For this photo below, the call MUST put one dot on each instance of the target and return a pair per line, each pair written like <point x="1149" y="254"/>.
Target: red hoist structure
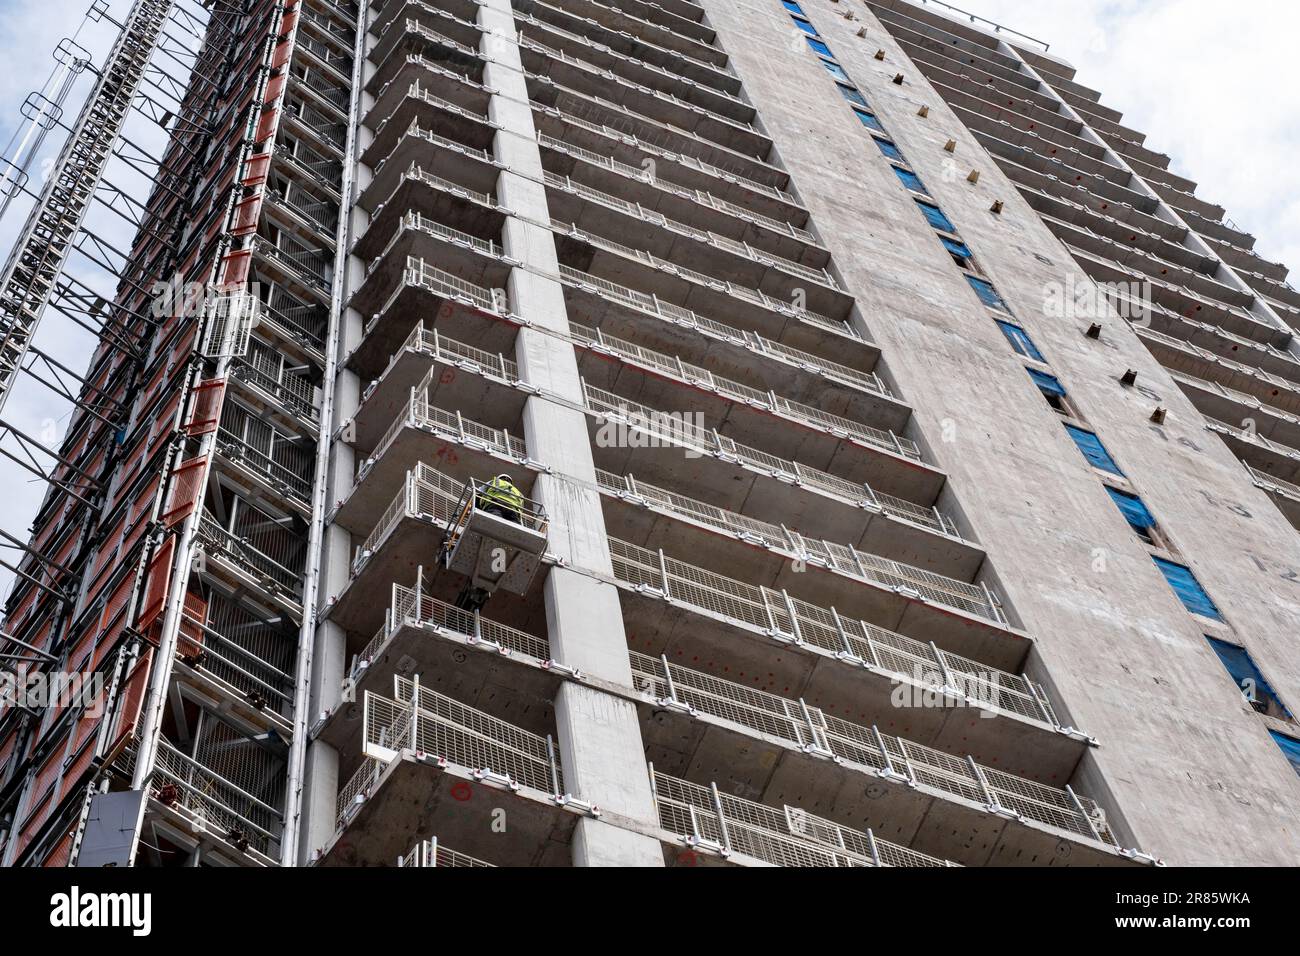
<point x="167" y="558"/>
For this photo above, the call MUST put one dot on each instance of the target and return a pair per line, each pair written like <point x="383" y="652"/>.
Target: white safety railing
<point x="735" y="247"/>
<point x="711" y="821"/>
<point x="419" y="175"/>
<point x="754" y="530"/>
<point x="1268" y="482"/>
<point x="414" y="221"/>
<point x="434" y="495"/>
<point x="674" y="367"/>
<point x="655" y="149"/>
<point x="777" y="614"/>
<point x="694" y="195"/>
<point x="651" y="304"/>
<point x="867" y="747"/>
<point x="361" y="785"/>
<point x="696" y="61"/>
<point x="432" y="853"/>
<point x="440" y="282"/>
<point x="604" y="78"/>
<point x="430" y="342"/>
<point x="677" y="431"/>
<point x="799" y="724"/>
<point x="416" y="131"/>
<point x="750" y="295"/>
<point x="425" y="722"/>
<point x="411" y="607"/>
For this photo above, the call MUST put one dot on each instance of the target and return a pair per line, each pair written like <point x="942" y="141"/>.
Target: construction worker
<point x="500" y="497"/>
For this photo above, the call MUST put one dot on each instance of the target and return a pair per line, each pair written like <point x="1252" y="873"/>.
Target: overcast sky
<point x="1212" y="84"/>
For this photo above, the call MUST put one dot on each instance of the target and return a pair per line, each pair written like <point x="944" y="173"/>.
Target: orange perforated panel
<point x="208" y="398"/>
<point x="131" y="703"/>
<point x="255" y="174"/>
<point x="267" y="124"/>
<point x="246" y="214"/>
<point x="236" y="267"/>
<point x="61" y="855"/>
<point x="156" y="583"/>
<point x="187" y="487"/>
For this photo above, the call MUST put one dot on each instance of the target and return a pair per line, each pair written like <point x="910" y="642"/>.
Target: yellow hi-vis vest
<point x="502" y="491"/>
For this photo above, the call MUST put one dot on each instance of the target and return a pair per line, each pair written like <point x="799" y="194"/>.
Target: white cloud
<point x="1212" y="85"/>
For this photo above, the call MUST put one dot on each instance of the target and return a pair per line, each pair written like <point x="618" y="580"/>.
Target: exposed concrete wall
<point x="1187" y="763"/>
<point x="599" y="734"/>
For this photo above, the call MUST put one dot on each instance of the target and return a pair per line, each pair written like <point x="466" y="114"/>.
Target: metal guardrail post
<point x="663" y="571"/>
<point x="1087" y="818"/>
<point x="415" y="712"/>
<point x="794" y="618"/>
<point x="989" y="795"/>
<point x="884" y="752"/>
<point x="816" y="735"/>
<point x="1042" y="703"/>
<point x="994" y="608"/>
<point x="875" y="850"/>
<point x="668" y="680"/>
<point x="907" y="761"/>
<point x="554" y="766"/>
<point x="844" y="637"/>
<point x="767" y="609"/>
<point x="944" y="672"/>
<point x="722" y="819"/>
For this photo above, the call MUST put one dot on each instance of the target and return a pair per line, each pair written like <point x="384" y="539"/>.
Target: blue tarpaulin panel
<point x="1188" y="589"/>
<point x="889" y="149"/>
<point x="910" y="180"/>
<point x="1290" y="748"/>
<point x="1241" y="666"/>
<point x="955" y="247"/>
<point x="1135" y="512"/>
<point x="1093" y="450"/>
<point x="868" y="120"/>
<point x="988" y="295"/>
<point x="1020" y="341"/>
<point x="934" y="215"/>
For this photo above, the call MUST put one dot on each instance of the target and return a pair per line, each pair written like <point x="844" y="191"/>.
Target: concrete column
<point x="599" y="735"/>
<point x="329" y="656"/>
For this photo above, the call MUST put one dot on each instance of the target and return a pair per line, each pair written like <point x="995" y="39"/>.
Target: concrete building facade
<point x="848" y="537"/>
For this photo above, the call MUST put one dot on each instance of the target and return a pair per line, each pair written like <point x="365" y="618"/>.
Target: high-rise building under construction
<point x="615" y="432"/>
